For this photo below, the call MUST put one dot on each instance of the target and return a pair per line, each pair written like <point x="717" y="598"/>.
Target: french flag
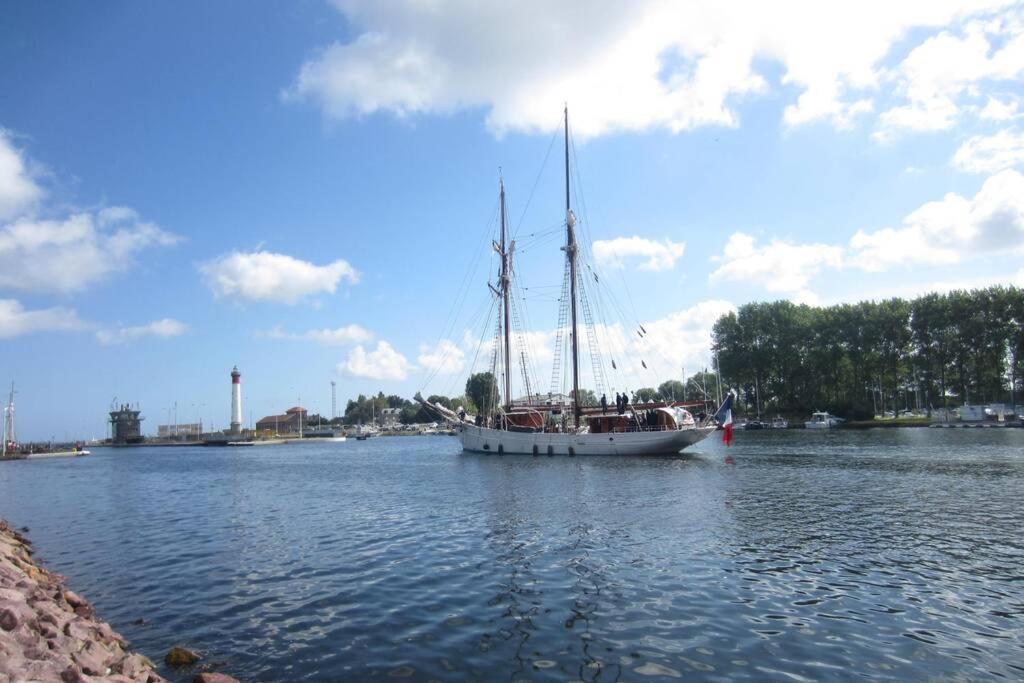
<point x="724" y="419"/>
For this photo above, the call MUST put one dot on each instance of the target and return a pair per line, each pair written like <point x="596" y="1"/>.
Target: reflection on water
<point x="894" y="554"/>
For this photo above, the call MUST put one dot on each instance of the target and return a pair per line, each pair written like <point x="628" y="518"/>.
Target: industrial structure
<point x="126" y="425"/>
<point x="334" y="401"/>
<point x="291" y="422"/>
<point x="10" y="439"/>
<point x="189" y="430"/>
<point x="236" y="402"/>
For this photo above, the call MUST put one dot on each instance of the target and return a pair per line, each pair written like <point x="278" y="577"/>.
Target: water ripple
<point x="890" y="554"/>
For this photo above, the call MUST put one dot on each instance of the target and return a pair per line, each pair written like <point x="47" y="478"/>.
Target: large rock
<point x="208" y="677"/>
<point x="181" y="656"/>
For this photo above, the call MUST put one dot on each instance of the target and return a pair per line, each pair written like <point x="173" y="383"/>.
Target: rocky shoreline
<point x="48" y="633"/>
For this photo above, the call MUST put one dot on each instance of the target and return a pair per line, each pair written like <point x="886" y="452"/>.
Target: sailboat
<point x="756" y="424"/>
<point x="562" y="425"/>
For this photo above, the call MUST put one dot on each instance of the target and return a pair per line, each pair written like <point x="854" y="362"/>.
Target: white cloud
<point x="163" y="329"/>
<point x="621" y="66"/>
<point x="945" y="231"/>
<point x="990" y="153"/>
<point x="266" y="276"/>
<point x="16" y="321"/>
<point x="382" y="363"/>
<point x="69" y="254"/>
<point x="18" y="191"/>
<point x="680" y="340"/>
<point x="339" y="336"/>
<point x="446" y="358"/>
<point x="778" y="266"/>
<point x="654" y="255"/>
<point x="936" y="74"/>
<point x="997" y="110"/>
<point x="66" y="253"/>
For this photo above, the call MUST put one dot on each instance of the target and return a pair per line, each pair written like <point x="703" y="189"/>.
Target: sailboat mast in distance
<point x="570" y="251"/>
<point x="505" y="280"/>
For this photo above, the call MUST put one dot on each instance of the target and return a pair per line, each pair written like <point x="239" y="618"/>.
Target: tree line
<point x="859" y="360"/>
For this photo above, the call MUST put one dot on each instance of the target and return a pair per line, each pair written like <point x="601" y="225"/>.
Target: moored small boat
<point x="823" y="420"/>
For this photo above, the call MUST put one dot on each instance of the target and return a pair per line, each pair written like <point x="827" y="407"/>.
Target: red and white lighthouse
<point x="236" y="401"/>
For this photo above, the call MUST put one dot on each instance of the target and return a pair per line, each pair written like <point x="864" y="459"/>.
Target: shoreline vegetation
<point x="49" y="633"/>
<point x="875" y="357"/>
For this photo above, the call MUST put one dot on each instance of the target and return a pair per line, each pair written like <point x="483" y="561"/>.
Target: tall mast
<point x="505" y="281"/>
<point x="570" y="252"/>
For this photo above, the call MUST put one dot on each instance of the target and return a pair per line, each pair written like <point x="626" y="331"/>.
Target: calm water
<point x="890" y="554"/>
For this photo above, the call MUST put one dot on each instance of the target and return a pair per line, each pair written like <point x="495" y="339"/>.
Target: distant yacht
<point x="779" y="422"/>
<point x="822" y="420"/>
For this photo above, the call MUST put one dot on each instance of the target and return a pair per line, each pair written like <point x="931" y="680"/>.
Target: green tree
<point x="646" y="395"/>
<point x="465" y="403"/>
<point x="440" y="400"/>
<point x="875" y="356"/>
<point x="672" y="390"/>
<point x="482" y="390"/>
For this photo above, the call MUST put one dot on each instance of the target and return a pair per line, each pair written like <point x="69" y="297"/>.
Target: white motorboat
<point x="822" y="420"/>
<point x="779" y="422"/>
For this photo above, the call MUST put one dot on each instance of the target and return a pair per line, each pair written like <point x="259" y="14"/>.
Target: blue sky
<point x="299" y="188"/>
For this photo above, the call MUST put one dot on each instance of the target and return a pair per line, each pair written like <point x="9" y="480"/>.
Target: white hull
<point x="818" y="425"/>
<point x="668" y="442"/>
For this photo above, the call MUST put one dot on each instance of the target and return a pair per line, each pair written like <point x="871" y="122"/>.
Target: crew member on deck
<point x="604" y="404"/>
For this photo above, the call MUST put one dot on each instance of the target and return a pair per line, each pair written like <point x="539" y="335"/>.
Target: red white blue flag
<point x="724" y="419"/>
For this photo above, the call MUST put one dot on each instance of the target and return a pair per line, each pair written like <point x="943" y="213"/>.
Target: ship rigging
<point x="573" y="424"/>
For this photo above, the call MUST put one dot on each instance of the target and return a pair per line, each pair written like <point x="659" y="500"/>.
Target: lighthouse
<point x="236" y="401"/>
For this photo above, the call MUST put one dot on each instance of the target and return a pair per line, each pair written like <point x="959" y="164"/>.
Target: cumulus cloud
<point x="15" y="320"/>
<point x="778" y="266"/>
<point x="382" y="363"/>
<point x="998" y="110"/>
<point x="446" y="358"/>
<point x="621" y="66"/>
<point x="942" y="232"/>
<point x="938" y="73"/>
<point x="266" y="276"/>
<point x="62" y="253"/>
<point x="680" y="340"/>
<point x="653" y="255"/>
<point x="162" y="329"/>
<point x="18" y="191"/>
<point x="66" y="255"/>
<point x="338" y="336"/>
<point x="677" y="341"/>
<point x="990" y="153"/>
